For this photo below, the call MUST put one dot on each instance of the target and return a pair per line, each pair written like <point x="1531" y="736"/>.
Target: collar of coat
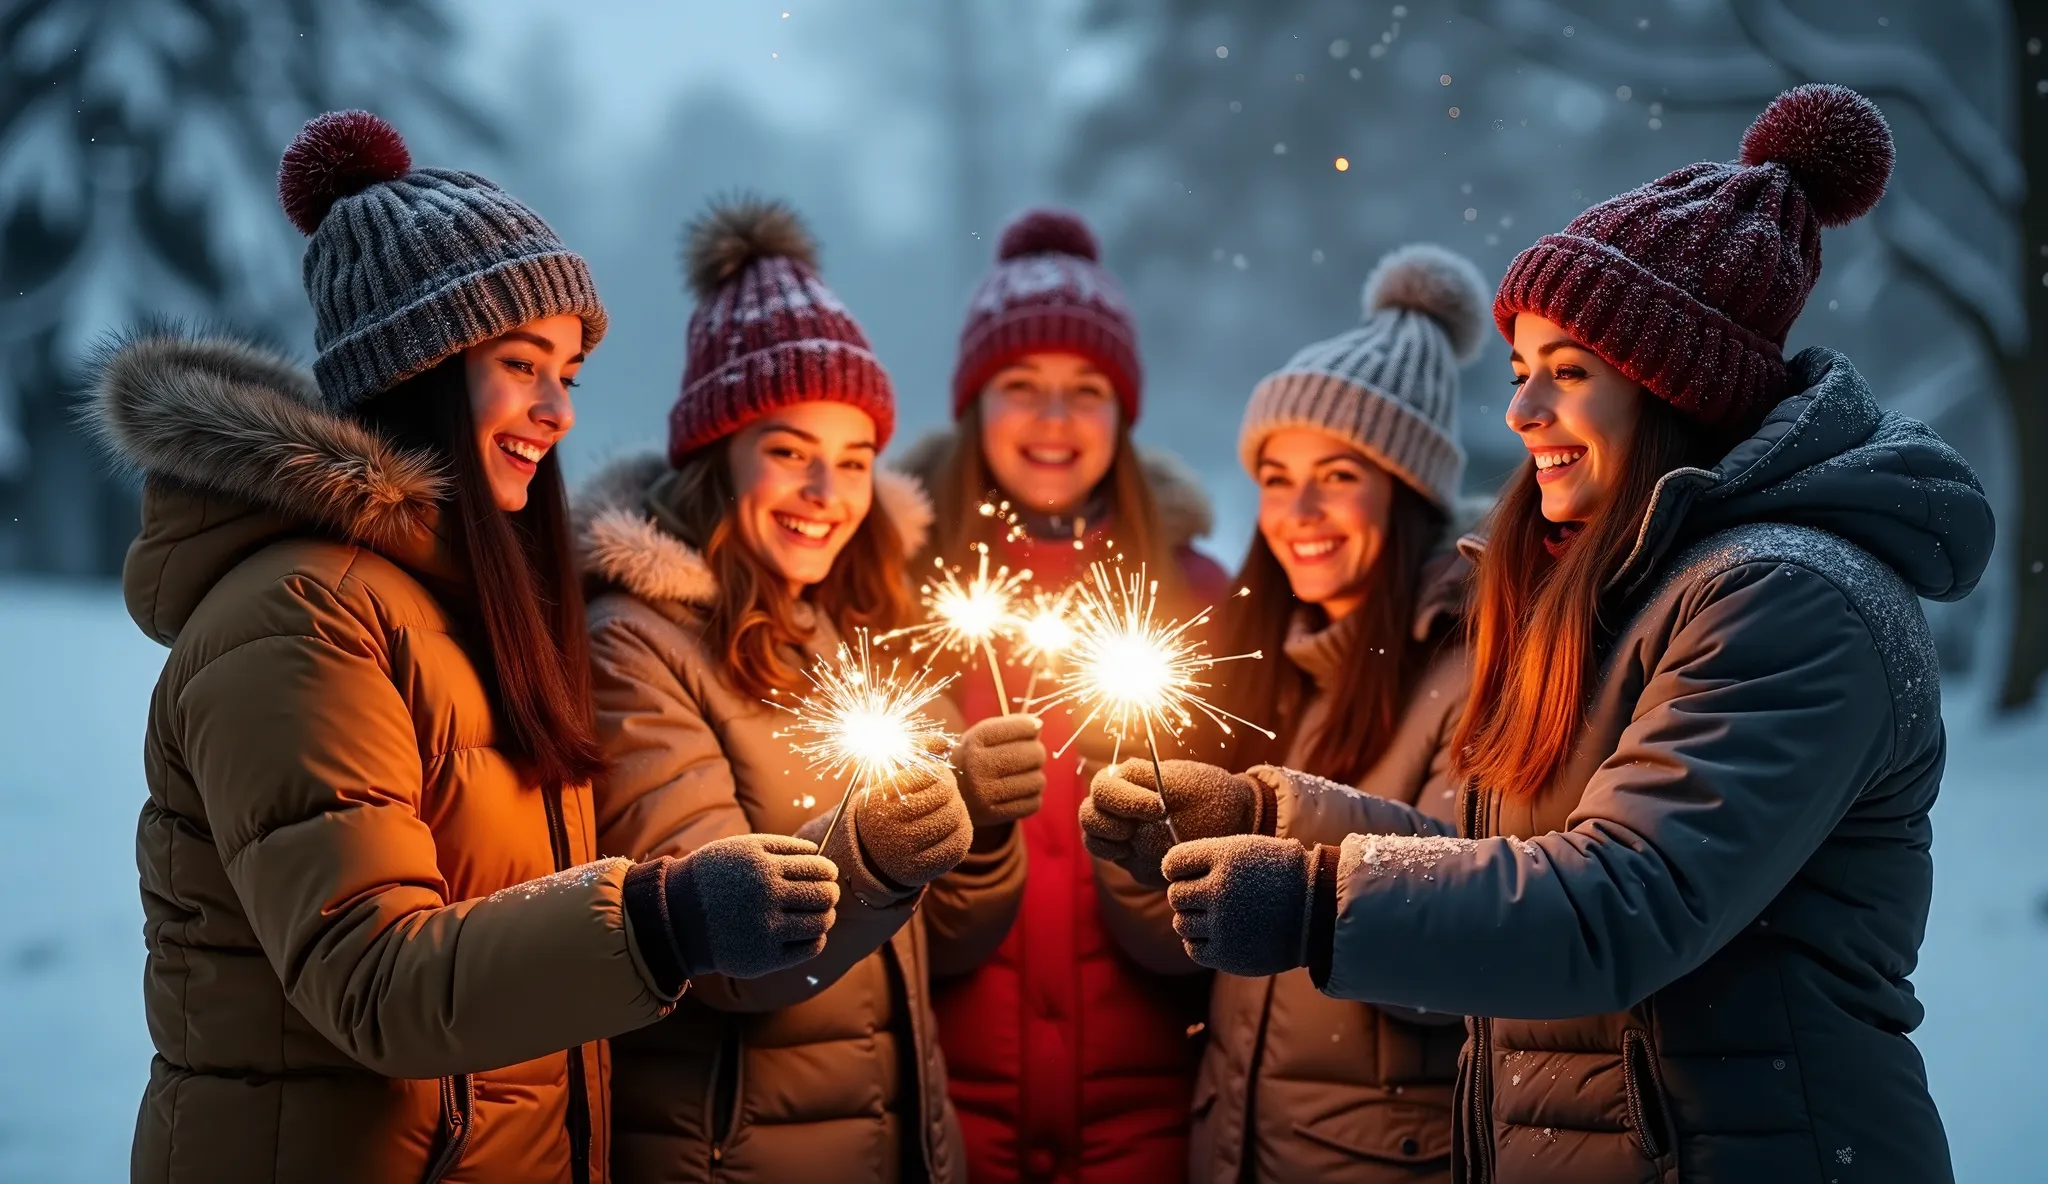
<point x="231" y="418"/>
<point x="1185" y="513"/>
<point x="618" y="541"/>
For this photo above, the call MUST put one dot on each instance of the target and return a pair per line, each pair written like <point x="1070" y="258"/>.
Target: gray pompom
<point x="1438" y="283"/>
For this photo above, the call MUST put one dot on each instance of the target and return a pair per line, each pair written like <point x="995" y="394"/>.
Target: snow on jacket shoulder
<point x="1706" y="923"/>
<point x="834" y="1062"/>
<point x="350" y="891"/>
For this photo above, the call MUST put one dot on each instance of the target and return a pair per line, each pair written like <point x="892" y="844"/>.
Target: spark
<point x="968" y="617"/>
<point x="866" y="724"/>
<point x="1045" y="632"/>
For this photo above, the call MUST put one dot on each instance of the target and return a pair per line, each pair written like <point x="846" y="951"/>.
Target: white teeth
<point x="1314" y="550"/>
<point x="804" y="526"/>
<point x="1051" y="456"/>
<point x="521" y="449"/>
<point x="1553" y="460"/>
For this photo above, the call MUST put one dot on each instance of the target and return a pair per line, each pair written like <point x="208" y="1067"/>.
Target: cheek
<point x="1000" y="429"/>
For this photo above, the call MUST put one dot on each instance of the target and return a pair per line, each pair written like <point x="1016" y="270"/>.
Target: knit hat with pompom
<point x="1389" y="387"/>
<point x="766" y="331"/>
<point x="1048" y="293"/>
<point x="1689" y="284"/>
<point x="407" y="267"/>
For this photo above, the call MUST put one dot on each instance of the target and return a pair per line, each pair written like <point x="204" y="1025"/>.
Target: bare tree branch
<point x="1956" y="269"/>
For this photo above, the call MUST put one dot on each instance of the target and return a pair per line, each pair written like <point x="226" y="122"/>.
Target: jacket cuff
<point x="1322" y="912"/>
<point x="645" y="897"/>
<point x="1266" y="810"/>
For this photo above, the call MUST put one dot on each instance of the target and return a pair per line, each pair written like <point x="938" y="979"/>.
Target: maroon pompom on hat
<point x="1048" y="293"/>
<point x="766" y="331"/>
<point x="1689" y="284"/>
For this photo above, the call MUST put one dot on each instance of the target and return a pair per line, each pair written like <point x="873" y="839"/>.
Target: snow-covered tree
<point x="139" y="142"/>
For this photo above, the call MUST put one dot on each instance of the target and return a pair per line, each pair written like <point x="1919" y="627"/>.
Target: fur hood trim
<point x="1185" y="512"/>
<point x="233" y="418"/>
<point x="618" y="542"/>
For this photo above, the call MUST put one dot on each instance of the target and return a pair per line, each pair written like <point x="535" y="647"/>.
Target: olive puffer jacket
<point x="1696" y="941"/>
<point x="827" y="1072"/>
<point x="369" y="936"/>
<point x="1296" y="1085"/>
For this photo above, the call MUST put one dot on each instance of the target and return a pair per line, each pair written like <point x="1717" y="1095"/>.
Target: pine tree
<point x="139" y="142"/>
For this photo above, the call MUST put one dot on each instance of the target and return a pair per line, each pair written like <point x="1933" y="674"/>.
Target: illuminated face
<point x="1323" y="509"/>
<point x="803" y="480"/>
<point x="1048" y="430"/>
<point x="1575" y="414"/>
<point x="519" y="384"/>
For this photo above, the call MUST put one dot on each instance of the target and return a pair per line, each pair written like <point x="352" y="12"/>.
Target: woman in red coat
<point x="1071" y="1049"/>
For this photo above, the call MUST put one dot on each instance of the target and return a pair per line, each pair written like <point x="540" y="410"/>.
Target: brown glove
<point x="896" y="838"/>
<point x="1124" y="819"/>
<point x="743" y="906"/>
<point x="1242" y="904"/>
<point x="1002" y="769"/>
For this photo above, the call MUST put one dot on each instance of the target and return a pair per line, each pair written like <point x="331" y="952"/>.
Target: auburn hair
<point x="1535" y="623"/>
<point x="752" y="622"/>
<point x="525" y="595"/>
<point x="962" y="482"/>
<point x="1379" y="671"/>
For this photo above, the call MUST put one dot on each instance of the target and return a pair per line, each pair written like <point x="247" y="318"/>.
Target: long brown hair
<point x="1379" y="672"/>
<point x="963" y="481"/>
<point x="525" y="591"/>
<point x="1535" y="625"/>
<point x="752" y="622"/>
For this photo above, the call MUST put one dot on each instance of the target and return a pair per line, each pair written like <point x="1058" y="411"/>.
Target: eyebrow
<point x="533" y="339"/>
<point x="1358" y="458"/>
<point x="809" y="438"/>
<point x="1547" y="348"/>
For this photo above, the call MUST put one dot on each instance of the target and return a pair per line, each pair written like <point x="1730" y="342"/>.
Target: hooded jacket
<point x="369" y="935"/>
<point x="1072" y="1059"/>
<point x="829" y="1071"/>
<point x="1696" y="940"/>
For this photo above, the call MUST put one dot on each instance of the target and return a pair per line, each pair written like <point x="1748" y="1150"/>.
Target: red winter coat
<point x="1067" y="1060"/>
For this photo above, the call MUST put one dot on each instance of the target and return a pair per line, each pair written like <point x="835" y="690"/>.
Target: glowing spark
<point x="866" y="724"/>
<point x="968" y="617"/>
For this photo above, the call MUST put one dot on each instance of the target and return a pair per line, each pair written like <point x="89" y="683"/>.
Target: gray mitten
<point x="1125" y="817"/>
<point x="743" y="906"/>
<point x="1242" y="904"/>
<point x="1002" y="769"/>
<point x="899" y="837"/>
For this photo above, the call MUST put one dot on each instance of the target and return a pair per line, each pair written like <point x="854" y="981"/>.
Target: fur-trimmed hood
<point x="1185" y="512"/>
<point x="235" y="451"/>
<point x="618" y="540"/>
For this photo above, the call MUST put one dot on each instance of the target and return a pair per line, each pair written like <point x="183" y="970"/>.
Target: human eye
<point x="517" y="365"/>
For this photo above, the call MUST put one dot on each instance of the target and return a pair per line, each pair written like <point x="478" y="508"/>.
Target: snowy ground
<point x="75" y="678"/>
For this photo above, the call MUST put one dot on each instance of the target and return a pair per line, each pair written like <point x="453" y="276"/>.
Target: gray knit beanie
<point x="406" y="267"/>
<point x="1390" y="386"/>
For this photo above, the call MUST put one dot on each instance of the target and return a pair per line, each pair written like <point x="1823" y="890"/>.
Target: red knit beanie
<point x="1689" y="284"/>
<point x="766" y="331"/>
<point x="1048" y="293"/>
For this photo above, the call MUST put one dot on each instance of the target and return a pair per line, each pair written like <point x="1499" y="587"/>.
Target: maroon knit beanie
<point x="1689" y="284"/>
<point x="1048" y="293"/>
<point x="766" y="331"/>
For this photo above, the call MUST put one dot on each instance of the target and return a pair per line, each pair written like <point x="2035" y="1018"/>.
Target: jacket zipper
<point x="1480" y="1087"/>
<point x="1639" y="1087"/>
<point x="725" y="1090"/>
<point x="458" y="1098"/>
<point x="578" y="1120"/>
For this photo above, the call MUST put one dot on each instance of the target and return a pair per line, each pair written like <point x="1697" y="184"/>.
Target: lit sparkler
<point x="1045" y="632"/>
<point x="968" y="617"/>
<point x="1132" y="673"/>
<point x="865" y="724"/>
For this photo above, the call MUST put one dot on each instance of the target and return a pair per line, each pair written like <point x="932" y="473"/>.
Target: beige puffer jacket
<point x="827" y="1072"/>
<point x="369" y="936"/>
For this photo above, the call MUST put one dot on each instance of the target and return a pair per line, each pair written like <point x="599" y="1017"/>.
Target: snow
<point x="77" y="684"/>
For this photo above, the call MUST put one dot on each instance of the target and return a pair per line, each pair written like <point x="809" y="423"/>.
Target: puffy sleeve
<point x="1767" y="713"/>
<point x="308" y="765"/>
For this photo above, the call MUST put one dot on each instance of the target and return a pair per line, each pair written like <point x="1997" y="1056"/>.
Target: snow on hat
<point x="1689" y="284"/>
<point x="1390" y="386"/>
<point x="766" y="331"/>
<point x="406" y="267"/>
<point x="1048" y="292"/>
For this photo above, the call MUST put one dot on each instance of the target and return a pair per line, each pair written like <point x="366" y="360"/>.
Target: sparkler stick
<point x="968" y="617"/>
<point x="1132" y="672"/>
<point x="865" y="724"/>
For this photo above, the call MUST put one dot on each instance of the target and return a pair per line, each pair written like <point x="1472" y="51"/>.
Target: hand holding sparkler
<point x="1131" y="818"/>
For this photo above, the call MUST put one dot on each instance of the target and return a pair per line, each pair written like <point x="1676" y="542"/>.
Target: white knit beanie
<point x="1390" y="386"/>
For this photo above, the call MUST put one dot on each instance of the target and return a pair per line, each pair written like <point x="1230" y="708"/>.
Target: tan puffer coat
<point x="827" y="1072"/>
<point x="369" y="936"/>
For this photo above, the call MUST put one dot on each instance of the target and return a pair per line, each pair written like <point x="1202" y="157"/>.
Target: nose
<point x="817" y="487"/>
<point x="1530" y="409"/>
<point x="555" y="411"/>
<point x="1307" y="505"/>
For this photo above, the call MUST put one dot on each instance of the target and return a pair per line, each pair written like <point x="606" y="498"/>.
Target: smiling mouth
<point x="1552" y="463"/>
<point x="1051" y="457"/>
<point x="1311" y="550"/>
<point x="525" y="453"/>
<point x="808" y="530"/>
